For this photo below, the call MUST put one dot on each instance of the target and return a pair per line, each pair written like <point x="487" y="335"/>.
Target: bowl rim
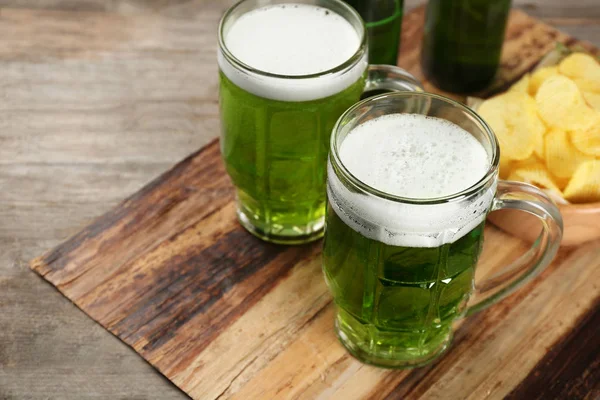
<point x="580" y="207"/>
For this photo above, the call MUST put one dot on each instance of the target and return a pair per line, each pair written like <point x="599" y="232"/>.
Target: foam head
<point x="292" y="40"/>
<point x="418" y="157"/>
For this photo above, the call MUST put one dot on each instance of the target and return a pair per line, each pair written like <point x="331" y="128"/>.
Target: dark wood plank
<point x="571" y="369"/>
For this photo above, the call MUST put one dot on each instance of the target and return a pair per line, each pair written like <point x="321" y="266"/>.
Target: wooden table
<point x="96" y="99"/>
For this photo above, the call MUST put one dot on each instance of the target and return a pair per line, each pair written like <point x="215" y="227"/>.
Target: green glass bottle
<point x="383" y="19"/>
<point x="462" y="42"/>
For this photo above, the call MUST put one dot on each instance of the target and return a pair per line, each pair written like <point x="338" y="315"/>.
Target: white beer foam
<point x="413" y="156"/>
<point x="292" y="40"/>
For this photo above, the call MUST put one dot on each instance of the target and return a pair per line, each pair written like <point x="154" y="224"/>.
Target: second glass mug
<point x="275" y="130"/>
<point x="401" y="270"/>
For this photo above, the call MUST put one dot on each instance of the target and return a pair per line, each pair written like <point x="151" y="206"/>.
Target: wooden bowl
<point x="581" y="223"/>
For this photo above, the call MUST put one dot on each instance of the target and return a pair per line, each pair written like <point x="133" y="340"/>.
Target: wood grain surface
<point x="97" y="98"/>
<point x="223" y="315"/>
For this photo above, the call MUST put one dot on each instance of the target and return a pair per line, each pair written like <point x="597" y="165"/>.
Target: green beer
<point x="287" y="72"/>
<point x="410" y="297"/>
<point x="276" y="155"/>
<point x="411" y="178"/>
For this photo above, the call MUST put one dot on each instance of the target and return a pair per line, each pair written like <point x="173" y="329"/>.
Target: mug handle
<point x="528" y="198"/>
<point x="389" y="78"/>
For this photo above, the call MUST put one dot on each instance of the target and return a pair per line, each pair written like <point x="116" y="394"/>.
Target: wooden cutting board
<point x="223" y="315"/>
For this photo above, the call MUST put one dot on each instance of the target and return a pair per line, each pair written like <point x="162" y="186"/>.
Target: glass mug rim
<point x="358" y="55"/>
<point x="341" y="169"/>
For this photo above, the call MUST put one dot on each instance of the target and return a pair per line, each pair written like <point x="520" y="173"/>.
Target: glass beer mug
<point x="402" y="269"/>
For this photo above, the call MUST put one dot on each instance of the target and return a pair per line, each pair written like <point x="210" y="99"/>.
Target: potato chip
<point x="580" y="65"/>
<point x="552" y="140"/>
<point x="505" y="166"/>
<point x="536" y="174"/>
<point x="587" y="140"/>
<point x="539" y="145"/>
<point x="539" y="76"/>
<point x="533" y="160"/>
<point x="562" y="157"/>
<point x="561" y="105"/>
<point x="561" y="183"/>
<point x="588" y="85"/>
<point x="592" y="99"/>
<point x="522" y="85"/>
<point x="584" y="186"/>
<point x="514" y="120"/>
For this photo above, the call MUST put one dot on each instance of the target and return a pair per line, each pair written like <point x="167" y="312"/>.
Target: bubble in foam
<point x="427" y="171"/>
<point x="292" y="41"/>
<point x="456" y="162"/>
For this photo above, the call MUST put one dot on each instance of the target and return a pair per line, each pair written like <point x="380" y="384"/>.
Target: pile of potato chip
<point x="548" y="127"/>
